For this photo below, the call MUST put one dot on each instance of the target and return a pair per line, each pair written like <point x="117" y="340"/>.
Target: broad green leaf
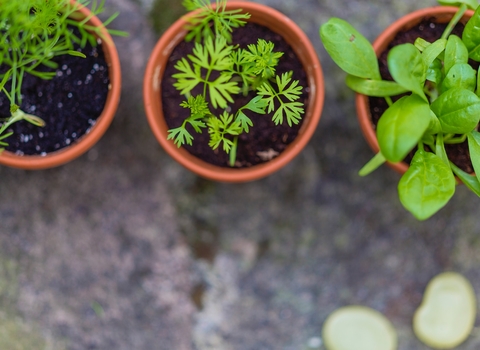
<point x="407" y="67"/>
<point x="372" y="164"/>
<point x="471" y="36"/>
<point x="432" y="51"/>
<point x="455" y="52"/>
<point x="474" y="149"/>
<point x="462" y="76"/>
<point x="402" y="126"/>
<point x="426" y="186"/>
<point x="434" y="127"/>
<point x="468" y="180"/>
<point x="440" y="149"/>
<point x="349" y="49"/>
<point x="428" y="139"/>
<point x="458" y="110"/>
<point x="472" y="4"/>
<point x="377" y="88"/>
<point x="434" y="72"/>
<point x="477" y="91"/>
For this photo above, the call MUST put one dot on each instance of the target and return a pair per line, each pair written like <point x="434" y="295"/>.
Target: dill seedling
<point x="32" y="34"/>
<point x="236" y="71"/>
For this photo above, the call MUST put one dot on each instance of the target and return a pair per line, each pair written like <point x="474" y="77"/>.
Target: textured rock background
<point x="124" y="249"/>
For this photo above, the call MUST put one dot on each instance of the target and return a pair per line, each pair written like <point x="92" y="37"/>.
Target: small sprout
<point x="358" y="328"/>
<point x="447" y="314"/>
<point x="33" y="34"/>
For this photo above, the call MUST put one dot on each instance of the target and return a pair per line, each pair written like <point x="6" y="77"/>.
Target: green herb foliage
<point x="441" y="106"/>
<point x="223" y="71"/>
<point x="32" y="34"/>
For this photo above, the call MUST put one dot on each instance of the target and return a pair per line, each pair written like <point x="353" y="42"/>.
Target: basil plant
<point x="440" y="105"/>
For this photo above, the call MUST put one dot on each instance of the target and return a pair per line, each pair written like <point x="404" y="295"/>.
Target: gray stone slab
<point x="125" y="249"/>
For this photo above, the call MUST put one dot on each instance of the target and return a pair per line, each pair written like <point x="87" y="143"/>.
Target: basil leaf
<point x="468" y="180"/>
<point x="407" y="68"/>
<point x="470" y="3"/>
<point x="471" y="36"/>
<point x="461" y="75"/>
<point x="477" y="91"/>
<point x="455" y="52"/>
<point x="402" y="126"/>
<point x="376" y="88"/>
<point x="440" y="149"/>
<point x="434" y="127"/>
<point x="474" y="149"/>
<point x="458" y="110"/>
<point x="426" y="186"/>
<point x="349" y="49"/>
<point x="428" y="139"/>
<point x="434" y="72"/>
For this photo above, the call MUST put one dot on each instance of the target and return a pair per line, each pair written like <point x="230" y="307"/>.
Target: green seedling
<point x="224" y="70"/>
<point x="441" y="105"/>
<point x="447" y="314"/>
<point x="33" y="33"/>
<point x="358" y="327"/>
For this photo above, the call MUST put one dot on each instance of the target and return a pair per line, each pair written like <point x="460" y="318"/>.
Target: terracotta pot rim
<point x="363" y="112"/>
<point x="84" y="143"/>
<point x="154" y="71"/>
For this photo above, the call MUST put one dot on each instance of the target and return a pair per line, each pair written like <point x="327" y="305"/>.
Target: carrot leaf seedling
<point x="224" y="71"/>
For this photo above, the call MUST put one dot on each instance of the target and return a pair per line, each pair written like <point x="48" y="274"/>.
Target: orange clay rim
<point x="83" y="144"/>
<point x="302" y="46"/>
<point x="442" y="14"/>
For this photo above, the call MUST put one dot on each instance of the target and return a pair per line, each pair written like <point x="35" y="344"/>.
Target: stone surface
<point x="124" y="249"/>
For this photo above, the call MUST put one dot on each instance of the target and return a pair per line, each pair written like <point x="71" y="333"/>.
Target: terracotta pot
<point x="84" y="143"/>
<point x="442" y="14"/>
<point x="276" y="22"/>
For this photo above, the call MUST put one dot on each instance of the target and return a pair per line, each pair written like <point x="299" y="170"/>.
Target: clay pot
<point x="441" y="14"/>
<point x="276" y="22"/>
<point x="83" y="144"/>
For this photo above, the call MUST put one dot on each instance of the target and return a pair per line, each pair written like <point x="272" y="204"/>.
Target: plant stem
<point x="233" y="151"/>
<point x="455" y="140"/>
<point x="389" y="100"/>
<point x="453" y="22"/>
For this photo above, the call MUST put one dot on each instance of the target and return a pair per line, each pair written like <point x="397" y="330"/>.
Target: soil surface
<point x="430" y="31"/>
<point x="70" y="103"/>
<point x="265" y="140"/>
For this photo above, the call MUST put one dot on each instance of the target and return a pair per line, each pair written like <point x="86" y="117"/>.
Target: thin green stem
<point x="233" y="151"/>
<point x="420" y="146"/>
<point x="453" y="22"/>
<point x="456" y="140"/>
<point x="389" y="100"/>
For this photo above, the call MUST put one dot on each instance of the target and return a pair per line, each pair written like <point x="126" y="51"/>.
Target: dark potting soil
<point x="265" y="140"/>
<point x="430" y="31"/>
<point x="70" y="103"/>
